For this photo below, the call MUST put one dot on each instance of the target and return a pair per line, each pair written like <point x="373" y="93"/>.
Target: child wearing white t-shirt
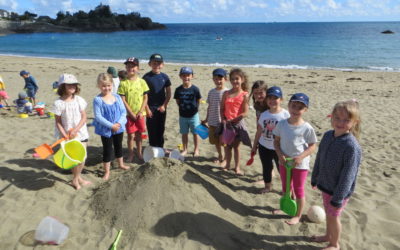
<point x="70" y="116"/>
<point x="264" y="139"/>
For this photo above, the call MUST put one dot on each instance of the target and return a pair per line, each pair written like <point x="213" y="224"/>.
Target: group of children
<point x="135" y="105"/>
<point x="26" y="99"/>
<point x="282" y="135"/>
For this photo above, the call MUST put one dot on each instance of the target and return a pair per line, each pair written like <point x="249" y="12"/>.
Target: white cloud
<point x="332" y="4"/>
<point x="8" y="5"/>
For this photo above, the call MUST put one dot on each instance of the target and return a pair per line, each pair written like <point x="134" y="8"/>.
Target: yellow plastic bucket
<point x="71" y="154"/>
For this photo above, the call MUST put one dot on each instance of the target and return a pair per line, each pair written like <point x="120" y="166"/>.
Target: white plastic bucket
<point x="175" y="154"/>
<point x="152" y="152"/>
<point x="51" y="231"/>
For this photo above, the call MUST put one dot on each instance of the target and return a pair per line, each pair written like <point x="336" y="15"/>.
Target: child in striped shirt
<point x="213" y="118"/>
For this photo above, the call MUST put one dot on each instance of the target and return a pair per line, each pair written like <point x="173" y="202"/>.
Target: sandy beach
<point x="169" y="204"/>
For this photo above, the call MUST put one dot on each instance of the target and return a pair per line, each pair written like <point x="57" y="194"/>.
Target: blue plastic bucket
<point x="202" y="131"/>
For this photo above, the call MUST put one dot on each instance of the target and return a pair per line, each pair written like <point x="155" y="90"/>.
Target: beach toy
<point x="287" y="205"/>
<point x="23" y="115"/>
<point x="50" y="115"/>
<point x="144" y="136"/>
<point x="40" y="111"/>
<point x="175" y="154"/>
<point x="180" y="147"/>
<point x="228" y="135"/>
<point x="250" y="161"/>
<point x="152" y="152"/>
<point x="115" y="243"/>
<point x="316" y="214"/>
<point x="71" y="154"/>
<point x="45" y="150"/>
<point x="202" y="131"/>
<point x="1" y="106"/>
<point x="51" y="231"/>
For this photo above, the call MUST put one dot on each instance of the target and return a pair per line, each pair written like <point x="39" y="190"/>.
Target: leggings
<point x="108" y="143"/>
<point x="299" y="177"/>
<point x="267" y="156"/>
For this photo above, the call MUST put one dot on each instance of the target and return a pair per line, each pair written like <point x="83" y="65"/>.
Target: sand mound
<point x="166" y="203"/>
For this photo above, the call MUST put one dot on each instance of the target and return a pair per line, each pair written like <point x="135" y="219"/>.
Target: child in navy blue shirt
<point x="30" y="87"/>
<point x="158" y="99"/>
<point x="188" y="98"/>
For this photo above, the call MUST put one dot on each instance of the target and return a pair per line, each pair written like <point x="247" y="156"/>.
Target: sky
<point x="220" y="11"/>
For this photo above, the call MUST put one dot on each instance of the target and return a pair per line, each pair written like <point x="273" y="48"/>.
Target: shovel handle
<point x="57" y="142"/>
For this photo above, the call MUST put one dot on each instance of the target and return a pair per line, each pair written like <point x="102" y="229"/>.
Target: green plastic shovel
<point x="115" y="243"/>
<point x="287" y="205"/>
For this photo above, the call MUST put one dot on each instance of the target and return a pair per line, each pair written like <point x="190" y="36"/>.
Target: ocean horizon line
<point x="217" y="64"/>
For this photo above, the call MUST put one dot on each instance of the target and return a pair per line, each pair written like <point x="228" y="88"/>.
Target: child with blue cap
<point x="31" y="86"/>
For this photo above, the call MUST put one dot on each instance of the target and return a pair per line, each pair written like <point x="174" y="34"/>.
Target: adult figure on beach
<point x="112" y="71"/>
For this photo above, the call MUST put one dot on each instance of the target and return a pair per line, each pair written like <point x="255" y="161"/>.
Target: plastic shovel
<point x="115" y="243"/>
<point x="250" y="161"/>
<point x="45" y="150"/>
<point x="287" y="205"/>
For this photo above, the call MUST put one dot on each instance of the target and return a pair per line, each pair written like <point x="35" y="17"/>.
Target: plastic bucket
<point x="71" y="154"/>
<point x="175" y="154"/>
<point x="23" y="115"/>
<point x="51" y="231"/>
<point x="152" y="152"/>
<point x="202" y="131"/>
<point x="40" y="111"/>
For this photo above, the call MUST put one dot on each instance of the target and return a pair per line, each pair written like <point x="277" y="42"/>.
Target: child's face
<point x="25" y="76"/>
<point x="186" y="78"/>
<point x="259" y="95"/>
<point x="236" y="81"/>
<point x="219" y="81"/>
<point x="131" y="68"/>
<point x="70" y="89"/>
<point x="341" y="122"/>
<point x="273" y="102"/>
<point x="156" y="66"/>
<point x="297" y="109"/>
<point x="105" y="87"/>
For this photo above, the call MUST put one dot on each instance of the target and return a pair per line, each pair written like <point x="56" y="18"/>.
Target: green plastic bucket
<point x="71" y="154"/>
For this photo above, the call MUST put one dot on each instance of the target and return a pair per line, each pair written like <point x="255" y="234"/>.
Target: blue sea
<point x="341" y="45"/>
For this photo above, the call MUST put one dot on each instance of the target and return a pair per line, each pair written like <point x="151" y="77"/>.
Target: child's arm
<point x="245" y="110"/>
<point x="128" y="109"/>
<point x="74" y="131"/>
<point x="277" y="146"/>
<point x="122" y="119"/>
<point x="143" y="107"/>
<point x="348" y="175"/>
<point x="34" y="83"/>
<point x="256" y="139"/>
<point x="98" y="116"/>
<point x="60" y="126"/>
<point x="163" y="107"/>
<point x="206" y="119"/>
<point x="222" y="108"/>
<point x="309" y="150"/>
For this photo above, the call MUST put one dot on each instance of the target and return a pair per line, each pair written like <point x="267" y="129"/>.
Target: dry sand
<point x="168" y="204"/>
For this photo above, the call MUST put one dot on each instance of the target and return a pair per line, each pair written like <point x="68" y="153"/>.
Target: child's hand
<point x="72" y="133"/>
<point x="254" y="149"/>
<point x="133" y="116"/>
<point x="115" y="127"/>
<point x="149" y="114"/>
<point x="161" y="109"/>
<point x="282" y="160"/>
<point x="297" y="160"/>
<point x="314" y="187"/>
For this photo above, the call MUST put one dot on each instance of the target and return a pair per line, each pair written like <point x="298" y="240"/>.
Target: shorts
<point x="212" y="138"/>
<point x="186" y="123"/>
<point x="135" y="126"/>
<point x="4" y="95"/>
<point x="31" y="93"/>
<point x="331" y="210"/>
